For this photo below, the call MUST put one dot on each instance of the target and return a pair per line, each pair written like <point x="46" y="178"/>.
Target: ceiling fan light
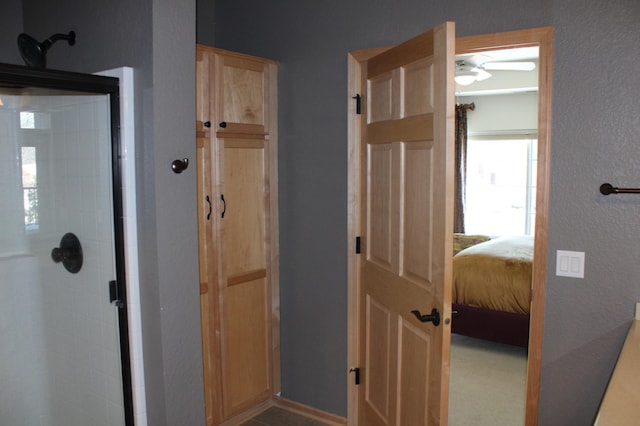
<point x="465" y="78"/>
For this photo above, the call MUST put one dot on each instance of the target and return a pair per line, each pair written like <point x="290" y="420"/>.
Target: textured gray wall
<point x="10" y="27"/>
<point x="157" y="39"/>
<point x="205" y="26"/>
<point x="595" y="139"/>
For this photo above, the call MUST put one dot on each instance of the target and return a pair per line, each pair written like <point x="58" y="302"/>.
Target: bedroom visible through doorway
<point x="498" y="160"/>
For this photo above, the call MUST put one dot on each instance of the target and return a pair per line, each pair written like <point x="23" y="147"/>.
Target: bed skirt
<point x="497" y="326"/>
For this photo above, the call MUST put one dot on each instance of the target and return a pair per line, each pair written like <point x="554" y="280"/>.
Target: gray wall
<point x="10" y="27"/>
<point x="595" y="140"/>
<point x="156" y="38"/>
<point x="205" y="27"/>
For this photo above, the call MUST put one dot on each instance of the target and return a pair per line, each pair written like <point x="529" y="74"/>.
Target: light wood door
<point x="407" y="202"/>
<point x="237" y="190"/>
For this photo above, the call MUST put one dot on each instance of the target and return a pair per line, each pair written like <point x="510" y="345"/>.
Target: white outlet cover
<point x="570" y="264"/>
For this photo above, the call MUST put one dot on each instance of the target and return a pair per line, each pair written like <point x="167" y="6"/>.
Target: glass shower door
<point x="60" y="343"/>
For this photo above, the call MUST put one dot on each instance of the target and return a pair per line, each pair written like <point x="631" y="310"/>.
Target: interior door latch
<point x="356" y="371"/>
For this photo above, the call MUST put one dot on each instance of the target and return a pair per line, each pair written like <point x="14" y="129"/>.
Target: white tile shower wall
<point x="23" y="378"/>
<point x="11" y="210"/>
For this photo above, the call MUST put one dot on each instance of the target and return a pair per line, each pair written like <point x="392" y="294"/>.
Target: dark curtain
<point x="460" y="166"/>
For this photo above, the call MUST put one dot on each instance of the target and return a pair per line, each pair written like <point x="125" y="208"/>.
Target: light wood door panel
<point x="406" y="204"/>
<point x="242" y="105"/>
<point x="246" y="345"/>
<point x="418" y="88"/>
<point x="413" y="374"/>
<point x="378" y="386"/>
<point x="417" y="217"/>
<point x="380" y="242"/>
<point x="244" y="193"/>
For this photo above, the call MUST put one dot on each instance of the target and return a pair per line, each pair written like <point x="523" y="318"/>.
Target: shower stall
<point x="64" y="346"/>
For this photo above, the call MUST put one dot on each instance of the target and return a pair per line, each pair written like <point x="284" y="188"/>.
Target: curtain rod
<point x="607" y="188"/>
<point x="471" y="106"/>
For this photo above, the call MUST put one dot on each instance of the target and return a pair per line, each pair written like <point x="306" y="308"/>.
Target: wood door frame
<point x="543" y="38"/>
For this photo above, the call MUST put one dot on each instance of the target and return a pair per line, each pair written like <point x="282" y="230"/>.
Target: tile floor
<point x="276" y="416"/>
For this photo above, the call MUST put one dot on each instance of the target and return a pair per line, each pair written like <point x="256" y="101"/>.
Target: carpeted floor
<point x="487" y="386"/>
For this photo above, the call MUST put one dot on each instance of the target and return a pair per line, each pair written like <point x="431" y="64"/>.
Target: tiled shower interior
<point x="59" y="350"/>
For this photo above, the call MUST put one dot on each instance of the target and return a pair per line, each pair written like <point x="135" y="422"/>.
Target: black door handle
<point x="434" y="317"/>
<point x="224" y="206"/>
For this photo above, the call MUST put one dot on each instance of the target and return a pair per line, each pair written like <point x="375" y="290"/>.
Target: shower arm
<point x="71" y="38"/>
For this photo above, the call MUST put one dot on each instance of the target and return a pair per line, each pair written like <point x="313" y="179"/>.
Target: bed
<point x="492" y="288"/>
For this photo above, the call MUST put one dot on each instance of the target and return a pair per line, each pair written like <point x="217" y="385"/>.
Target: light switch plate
<point x="570" y="264"/>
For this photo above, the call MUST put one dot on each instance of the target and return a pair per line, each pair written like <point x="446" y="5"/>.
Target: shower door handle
<point x="69" y="253"/>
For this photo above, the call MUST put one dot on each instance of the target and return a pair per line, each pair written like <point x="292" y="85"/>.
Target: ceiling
<point x="504" y="82"/>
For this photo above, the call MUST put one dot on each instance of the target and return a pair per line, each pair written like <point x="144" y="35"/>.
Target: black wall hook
<point x="178" y="166"/>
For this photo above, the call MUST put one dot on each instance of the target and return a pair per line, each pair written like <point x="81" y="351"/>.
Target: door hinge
<point x="114" y="294"/>
<point x="358" y="245"/>
<point x="358" y="99"/>
<point x="356" y="372"/>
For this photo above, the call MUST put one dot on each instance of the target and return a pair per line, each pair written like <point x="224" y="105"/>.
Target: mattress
<point x="495" y="274"/>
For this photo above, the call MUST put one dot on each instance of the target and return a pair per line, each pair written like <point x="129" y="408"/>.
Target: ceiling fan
<point x="474" y="68"/>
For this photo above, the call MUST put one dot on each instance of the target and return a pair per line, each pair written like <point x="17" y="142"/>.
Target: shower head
<point x="34" y="53"/>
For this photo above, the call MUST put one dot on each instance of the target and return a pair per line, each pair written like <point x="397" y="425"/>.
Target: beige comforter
<point x="495" y="274"/>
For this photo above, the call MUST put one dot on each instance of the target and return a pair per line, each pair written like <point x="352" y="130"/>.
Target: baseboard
<point x="307" y="411"/>
<point x="248" y="414"/>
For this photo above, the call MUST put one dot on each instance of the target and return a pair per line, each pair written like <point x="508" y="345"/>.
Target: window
<point x="30" y="187"/>
<point x="501" y="185"/>
<point x="31" y="122"/>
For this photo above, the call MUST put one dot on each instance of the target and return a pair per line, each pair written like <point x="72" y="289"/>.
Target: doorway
<point x="65" y="348"/>
<point x="543" y="39"/>
<point x="497" y="92"/>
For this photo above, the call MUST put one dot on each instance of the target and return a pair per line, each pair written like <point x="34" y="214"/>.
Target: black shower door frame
<point x="16" y="76"/>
